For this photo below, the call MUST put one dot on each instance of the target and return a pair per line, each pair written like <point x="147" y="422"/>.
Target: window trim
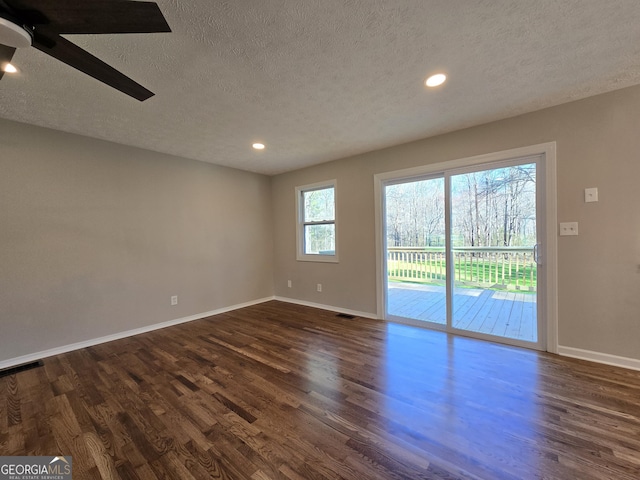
<point x="300" y="223"/>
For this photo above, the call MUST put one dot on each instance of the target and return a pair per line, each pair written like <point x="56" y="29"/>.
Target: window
<point x="316" y="207"/>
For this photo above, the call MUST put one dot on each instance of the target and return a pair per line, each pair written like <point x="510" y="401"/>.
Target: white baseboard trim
<point x="598" y="357"/>
<point x="12" y="362"/>
<point x="607" y="359"/>
<point x="328" y="307"/>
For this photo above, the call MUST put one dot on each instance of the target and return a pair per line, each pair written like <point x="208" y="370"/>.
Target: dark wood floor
<point x="284" y="391"/>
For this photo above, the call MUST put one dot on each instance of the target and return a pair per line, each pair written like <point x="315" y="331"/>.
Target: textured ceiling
<point x="317" y="80"/>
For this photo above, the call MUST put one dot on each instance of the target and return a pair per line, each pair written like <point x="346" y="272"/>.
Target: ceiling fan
<point x="40" y="23"/>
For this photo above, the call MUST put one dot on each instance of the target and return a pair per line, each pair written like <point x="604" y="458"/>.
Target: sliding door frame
<point x="546" y="205"/>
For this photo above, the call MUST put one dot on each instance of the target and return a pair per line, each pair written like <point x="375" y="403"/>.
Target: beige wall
<point x="598" y="145"/>
<point x="95" y="237"/>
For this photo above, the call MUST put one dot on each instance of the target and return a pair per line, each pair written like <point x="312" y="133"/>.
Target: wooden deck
<point x="500" y="313"/>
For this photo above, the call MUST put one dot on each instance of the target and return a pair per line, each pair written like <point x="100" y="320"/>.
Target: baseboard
<point x="607" y="359"/>
<point x="598" y="357"/>
<point x="328" y="307"/>
<point x="12" y="362"/>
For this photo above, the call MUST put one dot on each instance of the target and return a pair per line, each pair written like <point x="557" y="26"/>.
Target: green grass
<point x="478" y="272"/>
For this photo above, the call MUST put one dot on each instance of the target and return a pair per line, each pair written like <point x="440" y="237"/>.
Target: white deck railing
<point x="512" y="268"/>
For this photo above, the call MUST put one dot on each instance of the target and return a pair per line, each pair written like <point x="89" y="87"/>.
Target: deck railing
<point x="511" y="268"/>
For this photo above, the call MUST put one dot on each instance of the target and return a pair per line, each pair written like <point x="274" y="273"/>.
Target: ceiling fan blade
<point x="6" y="54"/>
<point x="74" y="56"/>
<point x="95" y="16"/>
<point x="4" y="6"/>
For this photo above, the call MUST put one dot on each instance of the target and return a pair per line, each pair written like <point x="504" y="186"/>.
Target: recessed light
<point x="258" y="146"/>
<point x="435" y="80"/>
<point x="8" y="68"/>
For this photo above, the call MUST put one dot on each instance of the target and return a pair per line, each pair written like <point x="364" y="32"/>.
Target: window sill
<point x="317" y="258"/>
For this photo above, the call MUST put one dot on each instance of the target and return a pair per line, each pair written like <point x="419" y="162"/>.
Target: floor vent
<point x="20" y="368"/>
<point x="345" y="315"/>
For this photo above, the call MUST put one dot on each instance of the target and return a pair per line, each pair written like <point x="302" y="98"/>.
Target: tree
<point x="493" y="207"/>
<point x="415" y="213"/>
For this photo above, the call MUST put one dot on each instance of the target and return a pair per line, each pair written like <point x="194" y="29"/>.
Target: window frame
<point x="300" y="223"/>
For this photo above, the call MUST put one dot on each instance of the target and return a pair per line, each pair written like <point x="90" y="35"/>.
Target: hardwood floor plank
<point x="14" y="415"/>
<point x="67" y="434"/>
<point x="281" y="391"/>
<point x="99" y="452"/>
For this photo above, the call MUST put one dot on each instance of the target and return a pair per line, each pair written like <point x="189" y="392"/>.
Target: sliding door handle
<point x="536" y="254"/>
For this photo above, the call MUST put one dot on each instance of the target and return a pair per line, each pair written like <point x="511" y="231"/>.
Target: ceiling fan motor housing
<point x="13" y="33"/>
<point x="42" y="24"/>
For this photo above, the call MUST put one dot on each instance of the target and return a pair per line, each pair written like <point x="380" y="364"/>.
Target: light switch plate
<point x="590" y="195"/>
<point x="568" y="228"/>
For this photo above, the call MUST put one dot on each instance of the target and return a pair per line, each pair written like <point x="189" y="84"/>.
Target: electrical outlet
<point x="319" y="287"/>
<point x="174" y="300"/>
<point x="568" y="228"/>
<point x="289" y="283"/>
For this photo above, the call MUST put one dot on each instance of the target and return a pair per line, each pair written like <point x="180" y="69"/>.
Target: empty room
<point x="320" y="239"/>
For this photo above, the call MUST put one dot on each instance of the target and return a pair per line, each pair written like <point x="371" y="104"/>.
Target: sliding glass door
<point x="461" y="250"/>
<point x="493" y="246"/>
<point x="416" y="257"/>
